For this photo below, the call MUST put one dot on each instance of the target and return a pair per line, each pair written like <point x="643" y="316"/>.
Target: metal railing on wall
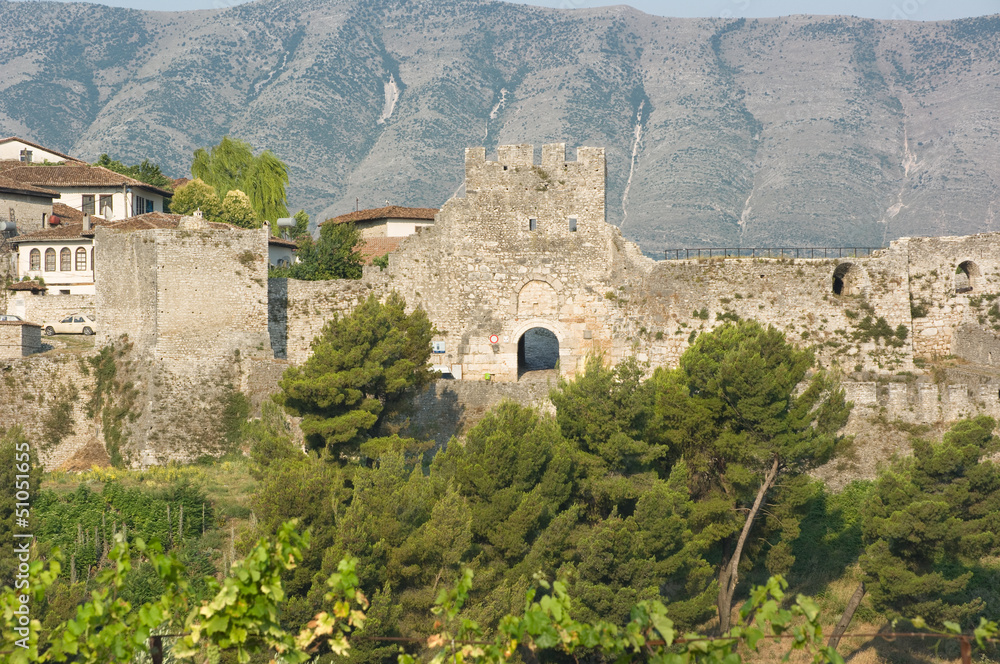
<point x="769" y="252"/>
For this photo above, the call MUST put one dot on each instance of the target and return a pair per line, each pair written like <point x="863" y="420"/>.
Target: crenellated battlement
<point x="515" y="162"/>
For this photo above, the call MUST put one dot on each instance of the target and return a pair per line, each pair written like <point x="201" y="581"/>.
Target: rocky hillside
<point x="792" y="131"/>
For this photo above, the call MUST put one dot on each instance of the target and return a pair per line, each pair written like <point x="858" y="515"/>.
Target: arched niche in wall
<point x="966" y="275"/>
<point x="537" y="299"/>
<point x="849" y="279"/>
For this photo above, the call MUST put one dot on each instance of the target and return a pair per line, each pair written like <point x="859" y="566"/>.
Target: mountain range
<point x="792" y="131"/>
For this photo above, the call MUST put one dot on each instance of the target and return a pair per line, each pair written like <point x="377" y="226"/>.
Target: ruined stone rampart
<point x="48" y="397"/>
<point x="193" y="303"/>
<point x="527" y="246"/>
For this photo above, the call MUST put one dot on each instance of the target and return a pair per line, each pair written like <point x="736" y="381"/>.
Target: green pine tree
<point x="361" y="366"/>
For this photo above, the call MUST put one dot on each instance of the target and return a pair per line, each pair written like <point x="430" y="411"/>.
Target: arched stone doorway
<point x="537" y="350"/>
<point x="848" y="279"/>
<point x="966" y="275"/>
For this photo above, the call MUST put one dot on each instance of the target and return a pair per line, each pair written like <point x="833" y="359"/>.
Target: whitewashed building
<point x="17" y="149"/>
<point x="91" y="189"/>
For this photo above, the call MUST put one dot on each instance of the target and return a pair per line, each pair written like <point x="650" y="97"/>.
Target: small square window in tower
<point x="572" y="224"/>
<point x="532" y="224"/>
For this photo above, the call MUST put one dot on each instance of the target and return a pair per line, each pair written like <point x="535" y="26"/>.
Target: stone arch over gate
<point x="537" y="299"/>
<point x="541" y="345"/>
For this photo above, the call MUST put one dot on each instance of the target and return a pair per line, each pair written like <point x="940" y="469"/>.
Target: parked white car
<point x="72" y="324"/>
<point x="10" y="318"/>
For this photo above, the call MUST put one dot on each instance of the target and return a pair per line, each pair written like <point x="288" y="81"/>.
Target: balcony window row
<point x="66" y="260"/>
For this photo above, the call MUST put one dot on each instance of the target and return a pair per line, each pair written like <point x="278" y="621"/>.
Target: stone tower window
<point x="532" y="224"/>
<point x="50" y="260"/>
<point x="35" y="260"/>
<point x="572" y="224"/>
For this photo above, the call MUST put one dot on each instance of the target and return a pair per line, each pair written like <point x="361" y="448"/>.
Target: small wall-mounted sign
<point x="494" y="339"/>
<point x="439" y="347"/>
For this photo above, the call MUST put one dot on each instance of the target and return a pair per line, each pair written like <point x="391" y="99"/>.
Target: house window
<point x="91" y="259"/>
<point x="572" y="224"/>
<point x="88" y="204"/>
<point x="107" y="206"/>
<point x="26" y="156"/>
<point x="50" y="260"/>
<point x="143" y="205"/>
<point x="81" y="260"/>
<point x="35" y="260"/>
<point x="65" y="260"/>
<point x="532" y="224"/>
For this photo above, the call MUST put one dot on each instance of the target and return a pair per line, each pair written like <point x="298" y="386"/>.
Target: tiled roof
<point x="66" y="230"/>
<point x="40" y="147"/>
<point x="71" y="215"/>
<point x="282" y="242"/>
<point x="391" y="212"/>
<point x="14" y="187"/>
<point x="378" y="246"/>
<point x="33" y="286"/>
<point x="73" y="175"/>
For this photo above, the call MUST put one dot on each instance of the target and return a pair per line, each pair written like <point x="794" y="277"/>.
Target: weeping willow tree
<point x="231" y="165"/>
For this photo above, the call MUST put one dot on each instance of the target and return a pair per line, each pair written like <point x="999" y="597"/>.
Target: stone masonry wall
<point x="504" y="259"/>
<point x="27" y="211"/>
<point x="974" y="344"/>
<point x="193" y="302"/>
<point x="528" y="246"/>
<point x="945" y="274"/>
<point x="47" y="307"/>
<point x="299" y="309"/>
<point x="19" y="339"/>
<point x="125" y="287"/>
<point x="33" y="391"/>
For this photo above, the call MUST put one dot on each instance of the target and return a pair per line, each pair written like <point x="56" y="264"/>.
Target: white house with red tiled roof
<point x="13" y="148"/>
<point x="63" y="256"/>
<point x="382" y="229"/>
<point x="91" y="189"/>
<point x="390" y="221"/>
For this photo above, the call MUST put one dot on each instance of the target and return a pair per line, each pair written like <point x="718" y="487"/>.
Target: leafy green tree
<point x="333" y="256"/>
<point x="196" y="195"/>
<point x="147" y="171"/>
<point x="361" y="366"/>
<point x="20" y="471"/>
<point x="301" y="228"/>
<point x="606" y="412"/>
<point x="928" y="523"/>
<point x="232" y="165"/>
<point x="237" y="210"/>
<point x="746" y="376"/>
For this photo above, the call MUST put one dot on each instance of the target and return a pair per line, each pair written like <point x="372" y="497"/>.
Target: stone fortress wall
<point x="486" y="269"/>
<point x="526" y="247"/>
<point x="192" y="304"/>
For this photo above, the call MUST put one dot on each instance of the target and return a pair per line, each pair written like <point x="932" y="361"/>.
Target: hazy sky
<point x="920" y="10"/>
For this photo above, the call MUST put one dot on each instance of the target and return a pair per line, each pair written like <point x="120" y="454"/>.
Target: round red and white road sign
<point x="494" y="339"/>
